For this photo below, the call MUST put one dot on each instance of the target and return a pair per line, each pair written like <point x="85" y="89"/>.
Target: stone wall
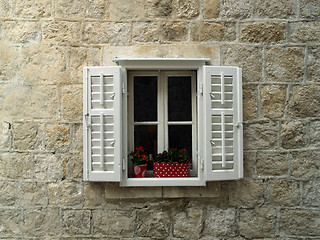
<point x="44" y="45"/>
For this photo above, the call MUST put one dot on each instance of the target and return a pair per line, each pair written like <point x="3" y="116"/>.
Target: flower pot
<point x="163" y="170"/>
<point x="140" y="170"/>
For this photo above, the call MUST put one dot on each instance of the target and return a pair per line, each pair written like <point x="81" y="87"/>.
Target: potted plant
<point x="172" y="163"/>
<point x="140" y="160"/>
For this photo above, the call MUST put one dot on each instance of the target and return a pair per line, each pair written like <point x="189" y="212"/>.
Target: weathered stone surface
<point x="311" y="193"/>
<point x="158" y="9"/>
<point x="187" y="9"/>
<point x="61" y="32"/>
<point x="236" y="9"/>
<point x="122" y="10"/>
<point x="265" y="32"/>
<point x="8" y="193"/>
<point x="304" y="32"/>
<point x="304" y="101"/>
<point x="10" y="222"/>
<point x="97" y="9"/>
<point x="9" y="66"/>
<point x="249" y="164"/>
<point x="187" y="224"/>
<point x="34" y="9"/>
<point x="15" y="165"/>
<point x="113" y="222"/>
<point x="153" y="223"/>
<point x="93" y="194"/>
<point x="313" y="64"/>
<point x="42" y="222"/>
<point x="260" y="135"/>
<point x="73" y="166"/>
<point x="285" y="64"/>
<point x="218" y="31"/>
<point x="33" y="194"/>
<point x="106" y="32"/>
<point x="76" y="222"/>
<point x="284" y="192"/>
<point x="315" y="133"/>
<point x="245" y="193"/>
<point x="293" y="134"/>
<point x="5" y="135"/>
<point x="300" y="222"/>
<point x="21" y="32"/>
<point x="25" y="135"/>
<point x="72" y="97"/>
<point x="258" y="222"/>
<point x="250" y="108"/>
<point x="175" y="32"/>
<point x="220" y="222"/>
<point x="69" y="8"/>
<point x="248" y="58"/>
<point x="6" y="8"/>
<point x="65" y="193"/>
<point x="77" y="145"/>
<point x="211" y="9"/>
<point x="146" y="32"/>
<point x="212" y="189"/>
<point x="272" y="164"/>
<point x="305" y="164"/>
<point x="275" y="8"/>
<point x="57" y="137"/>
<point x="309" y="8"/>
<point x="47" y="167"/>
<point x="273" y="99"/>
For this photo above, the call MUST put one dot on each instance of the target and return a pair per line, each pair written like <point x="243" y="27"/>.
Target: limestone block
<point x="236" y="9"/>
<point x="284" y="192"/>
<point x="72" y="102"/>
<point x="153" y="223"/>
<point x="304" y="101"/>
<point x="174" y="31"/>
<point x="187" y="223"/>
<point x="122" y="10"/>
<point x="74" y="166"/>
<point x="212" y="189"/>
<point x="272" y="164"/>
<point x="76" y="222"/>
<point x="211" y="9"/>
<point x="300" y="222"/>
<point x="94" y="194"/>
<point x="15" y="165"/>
<point x="57" y="137"/>
<point x="311" y="193"/>
<point x="315" y="133"/>
<point x="61" y="32"/>
<point x="220" y="222"/>
<point x="65" y="193"/>
<point x="275" y="8"/>
<point x="146" y="32"/>
<point x="113" y="222"/>
<point x="97" y="9"/>
<point x="250" y="107"/>
<point x="249" y="164"/>
<point x="245" y="193"/>
<point x="9" y="65"/>
<point x="6" y="8"/>
<point x="21" y="32"/>
<point x="309" y="8"/>
<point x="304" y="32"/>
<point x="313" y="64"/>
<point x="258" y="222"/>
<point x="293" y="134"/>
<point x="77" y="145"/>
<point x="248" y="58"/>
<point x="33" y="9"/>
<point x="106" y="32"/>
<point x="158" y="9"/>
<point x="47" y="167"/>
<point x="285" y="64"/>
<point x="305" y="164"/>
<point x="187" y="9"/>
<point x="273" y="98"/>
<point x="218" y="31"/>
<point x="10" y="222"/>
<point x="33" y="194"/>
<point x="25" y="135"/>
<point x="42" y="222"/>
<point x="263" y="32"/>
<point x="260" y="135"/>
<point x="69" y="8"/>
<point x="5" y="135"/>
<point x="8" y="193"/>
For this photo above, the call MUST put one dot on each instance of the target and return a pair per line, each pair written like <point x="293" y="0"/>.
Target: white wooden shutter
<point x="223" y="123"/>
<point x="102" y="123"/>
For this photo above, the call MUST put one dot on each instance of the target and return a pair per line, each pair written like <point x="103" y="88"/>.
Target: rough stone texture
<point x="272" y="164"/>
<point x="187" y="9"/>
<point x="293" y="135"/>
<point x="305" y="164"/>
<point x="72" y="102"/>
<point x="122" y="10"/>
<point x="61" y="32"/>
<point x="313" y="64"/>
<point x="311" y="193"/>
<point x="47" y="167"/>
<point x="304" y="101"/>
<point x="284" y="64"/>
<point x="34" y="9"/>
<point x="65" y="194"/>
<point x="10" y="222"/>
<point x="57" y="137"/>
<point x="290" y="197"/>
<point x="8" y="193"/>
<point x="187" y="224"/>
<point x="5" y="135"/>
<point x="265" y="32"/>
<point x="69" y="8"/>
<point x="315" y="133"/>
<point x="211" y="9"/>
<point x="208" y="32"/>
<point x="6" y="8"/>
<point x="304" y="32"/>
<point x="236" y="9"/>
<point x="258" y="223"/>
<point x="158" y="9"/>
<point x="275" y="8"/>
<point x="33" y="194"/>
<point x="249" y="94"/>
<point x="76" y="222"/>
<point x="21" y="32"/>
<point x="15" y="165"/>
<point x="8" y="65"/>
<point x="273" y="99"/>
<point x="309" y="8"/>
<point x="97" y="9"/>
<point x="25" y="136"/>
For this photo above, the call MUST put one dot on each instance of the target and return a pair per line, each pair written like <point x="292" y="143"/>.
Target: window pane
<point x="146" y="136"/>
<point x="180" y="136"/>
<point x="179" y="98"/>
<point x="145" y="98"/>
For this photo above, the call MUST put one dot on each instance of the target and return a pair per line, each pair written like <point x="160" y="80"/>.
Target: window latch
<point x="87" y="120"/>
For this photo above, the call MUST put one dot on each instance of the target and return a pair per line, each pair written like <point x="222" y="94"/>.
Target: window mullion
<point x="161" y="114"/>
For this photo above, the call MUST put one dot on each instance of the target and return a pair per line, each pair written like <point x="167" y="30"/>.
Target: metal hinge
<point x="123" y="164"/>
<point x="123" y="88"/>
<point x="87" y="120"/>
<point x="201" y="88"/>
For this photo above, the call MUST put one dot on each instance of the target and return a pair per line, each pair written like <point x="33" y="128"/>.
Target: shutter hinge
<point x="201" y="88"/>
<point x="87" y="120"/>
<point x="123" y="164"/>
<point x="123" y="88"/>
<point x="202" y="164"/>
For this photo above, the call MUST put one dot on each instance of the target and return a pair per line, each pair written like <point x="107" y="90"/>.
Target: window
<point x="162" y="103"/>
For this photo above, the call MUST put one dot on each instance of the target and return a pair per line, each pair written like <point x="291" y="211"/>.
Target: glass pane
<point x="145" y="98"/>
<point x="180" y="136"/>
<point x="179" y="98"/>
